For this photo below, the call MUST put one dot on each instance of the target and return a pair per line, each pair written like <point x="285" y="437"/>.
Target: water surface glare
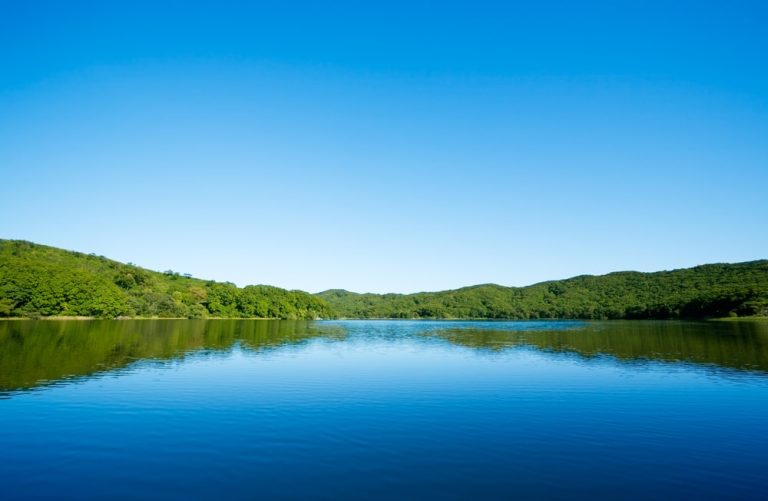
<point x="378" y="409"/>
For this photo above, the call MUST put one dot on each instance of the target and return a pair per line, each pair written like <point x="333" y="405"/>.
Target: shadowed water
<point x="377" y="409"/>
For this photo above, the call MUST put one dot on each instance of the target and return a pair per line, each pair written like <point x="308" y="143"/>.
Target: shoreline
<point x="83" y="318"/>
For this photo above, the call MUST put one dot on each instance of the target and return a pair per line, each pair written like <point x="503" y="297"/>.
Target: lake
<point x="380" y="409"/>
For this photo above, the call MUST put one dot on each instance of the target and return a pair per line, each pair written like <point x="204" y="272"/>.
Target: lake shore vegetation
<point x="38" y="281"/>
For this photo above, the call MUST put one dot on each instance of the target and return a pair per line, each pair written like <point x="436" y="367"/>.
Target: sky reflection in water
<point x="383" y="408"/>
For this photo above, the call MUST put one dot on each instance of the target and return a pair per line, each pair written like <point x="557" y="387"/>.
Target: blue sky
<point x="392" y="147"/>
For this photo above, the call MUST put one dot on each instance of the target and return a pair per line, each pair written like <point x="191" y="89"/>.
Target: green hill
<point x="713" y="290"/>
<point x="37" y="280"/>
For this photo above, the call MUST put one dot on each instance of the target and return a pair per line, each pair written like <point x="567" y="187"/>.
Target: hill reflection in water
<point x="40" y="353"/>
<point x="35" y="353"/>
<point x="739" y="345"/>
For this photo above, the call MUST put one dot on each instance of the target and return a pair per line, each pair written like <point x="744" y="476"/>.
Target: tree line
<point x="714" y="290"/>
<point x="37" y="281"/>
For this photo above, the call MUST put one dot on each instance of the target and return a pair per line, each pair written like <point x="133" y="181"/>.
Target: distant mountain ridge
<point x="712" y="290"/>
<point x="38" y="281"/>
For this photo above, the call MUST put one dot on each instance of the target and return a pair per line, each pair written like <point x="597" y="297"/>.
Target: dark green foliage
<point x="36" y="280"/>
<point x="715" y="290"/>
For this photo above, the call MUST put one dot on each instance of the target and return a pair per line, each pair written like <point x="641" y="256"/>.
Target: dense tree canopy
<point x="715" y="290"/>
<point x="36" y="280"/>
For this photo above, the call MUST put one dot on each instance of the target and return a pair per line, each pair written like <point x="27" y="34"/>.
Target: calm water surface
<point x="378" y="409"/>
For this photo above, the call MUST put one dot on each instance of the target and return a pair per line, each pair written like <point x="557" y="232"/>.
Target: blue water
<point x="382" y="409"/>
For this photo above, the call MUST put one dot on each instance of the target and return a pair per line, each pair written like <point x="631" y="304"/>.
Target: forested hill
<point x="714" y="290"/>
<point x="36" y="280"/>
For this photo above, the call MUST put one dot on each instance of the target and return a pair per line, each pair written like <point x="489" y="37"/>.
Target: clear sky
<point x="392" y="146"/>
